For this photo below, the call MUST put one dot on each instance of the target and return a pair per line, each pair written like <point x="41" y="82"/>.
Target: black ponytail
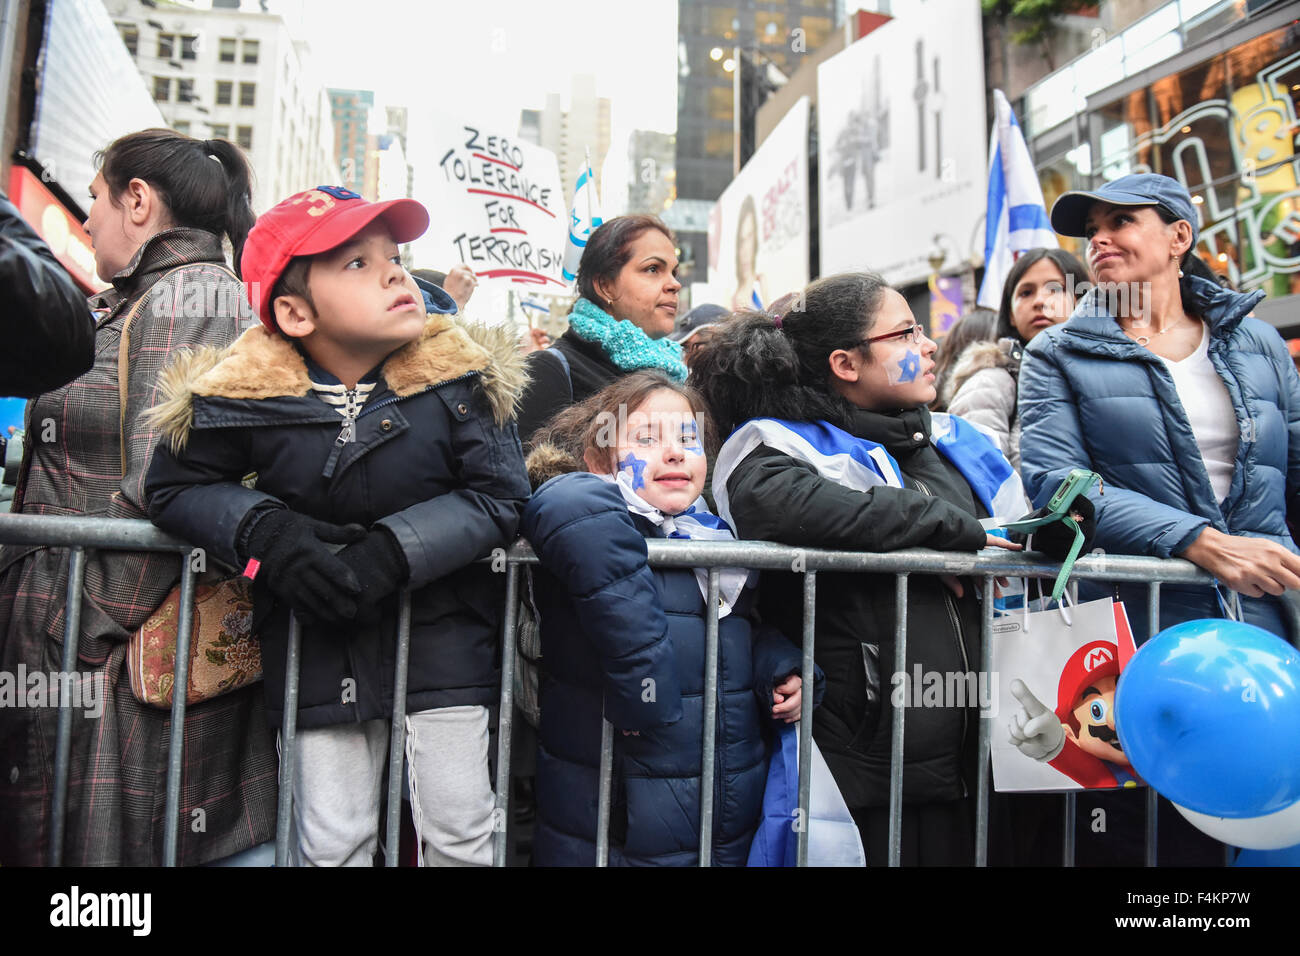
<point x="753" y="367"/>
<point x="239" y="194"/>
<point x="205" y="184"/>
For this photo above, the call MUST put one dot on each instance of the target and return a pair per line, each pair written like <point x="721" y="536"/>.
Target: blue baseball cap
<point x="1070" y="212"/>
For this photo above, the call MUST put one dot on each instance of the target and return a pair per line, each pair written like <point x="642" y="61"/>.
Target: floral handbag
<point x="224" y="653"/>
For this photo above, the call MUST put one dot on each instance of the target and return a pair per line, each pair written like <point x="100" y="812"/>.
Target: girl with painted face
<point x="831" y="445"/>
<point x="625" y="640"/>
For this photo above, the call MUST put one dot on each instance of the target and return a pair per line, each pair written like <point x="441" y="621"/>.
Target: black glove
<point x="300" y="568"/>
<point x="379" y="564"/>
<point x="1056" y="538"/>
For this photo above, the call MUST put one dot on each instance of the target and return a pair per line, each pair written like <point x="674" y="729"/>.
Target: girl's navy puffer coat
<point x="617" y="631"/>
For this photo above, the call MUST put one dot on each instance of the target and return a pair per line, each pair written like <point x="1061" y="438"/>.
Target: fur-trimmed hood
<point x="262" y="364"/>
<point x="978" y="356"/>
<point x="549" y="461"/>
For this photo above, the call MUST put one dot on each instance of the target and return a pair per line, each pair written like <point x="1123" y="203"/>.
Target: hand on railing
<point x="293" y="554"/>
<point x="1251" y="566"/>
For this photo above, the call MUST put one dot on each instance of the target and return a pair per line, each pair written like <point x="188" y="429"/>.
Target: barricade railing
<point x="82" y="534"/>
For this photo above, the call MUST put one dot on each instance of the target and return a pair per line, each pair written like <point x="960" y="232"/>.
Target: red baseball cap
<point x="312" y="222"/>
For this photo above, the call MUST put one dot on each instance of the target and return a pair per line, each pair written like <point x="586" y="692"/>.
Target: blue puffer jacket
<point x="1091" y="397"/>
<point x="610" y="626"/>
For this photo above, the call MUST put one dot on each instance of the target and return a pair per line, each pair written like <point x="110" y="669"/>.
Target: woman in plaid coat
<point x="161" y="202"/>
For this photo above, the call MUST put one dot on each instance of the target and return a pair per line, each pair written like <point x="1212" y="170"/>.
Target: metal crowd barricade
<point x="82" y="534"/>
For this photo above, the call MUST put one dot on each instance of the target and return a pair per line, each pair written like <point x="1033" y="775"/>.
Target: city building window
<point x="166" y="45"/>
<point x="162" y="87"/>
<point x="130" y="36"/>
<point x="226" y="50"/>
<point x="816" y="31"/>
<point x="770" y="27"/>
<point x="184" y="91"/>
<point x="182" y="127"/>
<point x="719" y="142"/>
<point x="225" y="92"/>
<point x="189" y="47"/>
<point x="721" y="102"/>
<point x="244" y="136"/>
<point x="247" y="94"/>
<point x="251" y="48"/>
<point x="220" y="131"/>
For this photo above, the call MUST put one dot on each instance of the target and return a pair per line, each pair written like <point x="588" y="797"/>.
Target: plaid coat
<point x="73" y="466"/>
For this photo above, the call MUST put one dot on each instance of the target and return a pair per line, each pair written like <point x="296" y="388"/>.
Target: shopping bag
<point x="1054" y="674"/>
<point x="833" y="838"/>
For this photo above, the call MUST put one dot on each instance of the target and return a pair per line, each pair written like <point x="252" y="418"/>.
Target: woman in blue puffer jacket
<point x="1188" y="407"/>
<point x="628" y="640"/>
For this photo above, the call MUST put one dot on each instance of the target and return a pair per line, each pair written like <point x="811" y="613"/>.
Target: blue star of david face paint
<point x="909" y="366"/>
<point x="635" y="467"/>
<point x="691" y="440"/>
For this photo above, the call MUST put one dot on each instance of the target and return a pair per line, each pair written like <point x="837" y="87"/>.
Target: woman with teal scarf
<point x="627" y="282"/>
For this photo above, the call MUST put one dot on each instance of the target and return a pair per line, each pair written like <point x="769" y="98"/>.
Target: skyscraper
<point x="570" y="134"/>
<point x="710" y="33"/>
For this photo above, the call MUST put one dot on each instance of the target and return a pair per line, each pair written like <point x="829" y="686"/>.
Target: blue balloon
<point x="1208" y="713"/>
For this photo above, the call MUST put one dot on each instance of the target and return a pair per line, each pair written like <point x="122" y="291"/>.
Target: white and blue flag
<point x="584" y="217"/>
<point x="1017" y="217"/>
<point x="861" y="464"/>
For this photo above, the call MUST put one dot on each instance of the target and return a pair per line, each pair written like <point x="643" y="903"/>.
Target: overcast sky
<point x="492" y="58"/>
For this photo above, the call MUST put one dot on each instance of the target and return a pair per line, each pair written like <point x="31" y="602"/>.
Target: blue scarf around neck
<point x="626" y="344"/>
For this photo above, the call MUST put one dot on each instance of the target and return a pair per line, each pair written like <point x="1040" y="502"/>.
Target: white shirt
<point x="1209" y="411"/>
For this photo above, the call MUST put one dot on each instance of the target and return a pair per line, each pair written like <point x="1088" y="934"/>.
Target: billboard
<point x="89" y="93"/>
<point x="758" y="229"/>
<point x="903" y="142"/>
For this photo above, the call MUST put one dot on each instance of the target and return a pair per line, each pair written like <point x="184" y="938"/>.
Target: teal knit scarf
<point x="626" y="345"/>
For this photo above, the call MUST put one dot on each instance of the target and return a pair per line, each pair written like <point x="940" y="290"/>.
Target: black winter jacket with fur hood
<point x="436" y="460"/>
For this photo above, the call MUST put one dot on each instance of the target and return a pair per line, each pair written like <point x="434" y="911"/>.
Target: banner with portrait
<point x="758" y="229"/>
<point x="903" y="142"/>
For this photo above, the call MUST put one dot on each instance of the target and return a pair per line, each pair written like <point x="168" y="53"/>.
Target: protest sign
<point x="495" y="203"/>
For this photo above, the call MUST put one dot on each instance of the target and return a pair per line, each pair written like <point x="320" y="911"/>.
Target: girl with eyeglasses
<point x="832" y="446"/>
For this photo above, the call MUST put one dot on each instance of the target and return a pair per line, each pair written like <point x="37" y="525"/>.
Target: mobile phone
<point x="1076" y="483"/>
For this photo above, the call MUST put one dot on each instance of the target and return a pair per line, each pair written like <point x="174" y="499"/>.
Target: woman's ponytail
<point x="746" y="365"/>
<point x="239" y="195"/>
<point x="205" y="184"/>
<point x="759" y="365"/>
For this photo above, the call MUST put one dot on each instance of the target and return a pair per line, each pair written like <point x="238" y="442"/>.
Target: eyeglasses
<point x="913" y="332"/>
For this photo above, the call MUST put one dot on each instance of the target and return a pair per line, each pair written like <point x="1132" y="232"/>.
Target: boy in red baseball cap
<point x="386" y="456"/>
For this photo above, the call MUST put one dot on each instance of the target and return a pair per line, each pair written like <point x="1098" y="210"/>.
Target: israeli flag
<point x="584" y="217"/>
<point x="1017" y="217"/>
<point x="861" y="464"/>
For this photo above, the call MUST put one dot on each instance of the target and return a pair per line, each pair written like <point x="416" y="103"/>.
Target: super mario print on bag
<point x="1057" y="672"/>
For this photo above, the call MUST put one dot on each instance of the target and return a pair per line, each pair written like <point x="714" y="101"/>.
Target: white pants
<point x="339" y="775"/>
